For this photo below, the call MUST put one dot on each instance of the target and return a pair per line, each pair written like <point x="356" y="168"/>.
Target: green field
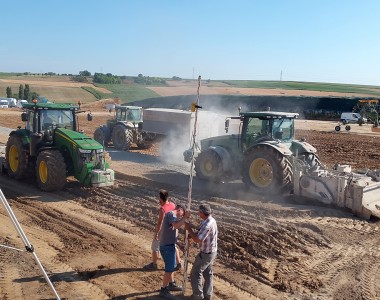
<point x="130" y="92"/>
<point x="309" y="86"/>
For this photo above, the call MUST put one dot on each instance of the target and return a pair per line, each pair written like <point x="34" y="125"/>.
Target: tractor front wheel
<point x="267" y="170"/>
<point x="16" y="158"/>
<point x="122" y="137"/>
<point x="208" y="166"/>
<point x="51" y="170"/>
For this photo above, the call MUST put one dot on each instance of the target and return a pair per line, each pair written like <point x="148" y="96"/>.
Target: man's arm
<point x="159" y="222"/>
<point x="179" y="223"/>
<point x="192" y="234"/>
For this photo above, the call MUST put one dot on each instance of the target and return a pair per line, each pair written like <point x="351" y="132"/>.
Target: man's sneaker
<point x="193" y="297"/>
<point x="150" y="267"/>
<point x="178" y="267"/>
<point x="165" y="293"/>
<point x="174" y="287"/>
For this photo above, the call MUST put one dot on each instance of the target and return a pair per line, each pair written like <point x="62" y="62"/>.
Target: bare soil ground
<point x="94" y="242"/>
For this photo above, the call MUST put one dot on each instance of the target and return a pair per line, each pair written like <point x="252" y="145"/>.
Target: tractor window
<point x="283" y="129"/>
<point x="51" y="119"/>
<point x="134" y="115"/>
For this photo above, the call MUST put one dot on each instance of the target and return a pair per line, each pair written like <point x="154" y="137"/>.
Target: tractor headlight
<point x="84" y="151"/>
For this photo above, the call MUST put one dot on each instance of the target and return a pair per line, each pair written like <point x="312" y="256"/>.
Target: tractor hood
<point x="78" y="139"/>
<point x="222" y="140"/>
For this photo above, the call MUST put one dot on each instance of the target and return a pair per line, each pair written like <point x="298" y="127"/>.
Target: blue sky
<point x="304" y="40"/>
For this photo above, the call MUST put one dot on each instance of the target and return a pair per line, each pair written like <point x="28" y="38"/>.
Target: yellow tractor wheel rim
<point x="43" y="171"/>
<point x="207" y="167"/>
<point x="13" y="158"/>
<point x="261" y="172"/>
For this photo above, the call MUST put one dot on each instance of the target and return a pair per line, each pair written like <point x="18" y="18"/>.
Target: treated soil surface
<point x="94" y="242"/>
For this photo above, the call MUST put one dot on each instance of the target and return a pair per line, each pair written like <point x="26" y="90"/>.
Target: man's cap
<point x="178" y="206"/>
<point x="205" y="208"/>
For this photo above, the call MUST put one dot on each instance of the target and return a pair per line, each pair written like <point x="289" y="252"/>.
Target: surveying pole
<point x="194" y="108"/>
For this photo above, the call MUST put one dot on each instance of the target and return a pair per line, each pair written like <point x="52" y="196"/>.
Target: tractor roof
<point x="127" y="107"/>
<point x="60" y="106"/>
<point x="269" y="115"/>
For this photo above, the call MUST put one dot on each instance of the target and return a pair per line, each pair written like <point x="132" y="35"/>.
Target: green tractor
<point x="262" y="154"/>
<point x="51" y="148"/>
<point x="124" y="129"/>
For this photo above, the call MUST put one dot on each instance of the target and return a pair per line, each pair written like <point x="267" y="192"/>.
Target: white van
<point x="4" y="104"/>
<point x="351" y="117"/>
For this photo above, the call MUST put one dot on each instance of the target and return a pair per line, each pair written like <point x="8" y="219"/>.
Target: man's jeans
<point x="202" y="266"/>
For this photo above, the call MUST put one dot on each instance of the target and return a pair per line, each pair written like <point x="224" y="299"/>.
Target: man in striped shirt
<point x="207" y="238"/>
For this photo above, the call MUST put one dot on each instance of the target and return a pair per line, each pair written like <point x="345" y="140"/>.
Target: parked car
<point x="4" y="104"/>
<point x="351" y="117"/>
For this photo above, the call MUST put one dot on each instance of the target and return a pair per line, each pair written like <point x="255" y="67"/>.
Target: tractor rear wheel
<point x="122" y="137"/>
<point x="267" y="170"/>
<point x="51" y="170"/>
<point x="102" y="135"/>
<point x="17" y="158"/>
<point x="208" y="166"/>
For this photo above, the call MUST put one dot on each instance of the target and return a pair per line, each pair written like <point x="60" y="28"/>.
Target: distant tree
<point x="21" y="92"/>
<point x="9" y="92"/>
<point x="26" y="92"/>
<point x="106" y="78"/>
<point x="79" y="78"/>
<point x="176" y="78"/>
<point x="84" y="73"/>
<point x="33" y="95"/>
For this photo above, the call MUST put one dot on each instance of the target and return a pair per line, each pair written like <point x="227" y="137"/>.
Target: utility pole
<point x="281" y="76"/>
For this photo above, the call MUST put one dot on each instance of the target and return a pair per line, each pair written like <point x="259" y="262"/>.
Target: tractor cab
<point x="266" y="126"/>
<point x="128" y="114"/>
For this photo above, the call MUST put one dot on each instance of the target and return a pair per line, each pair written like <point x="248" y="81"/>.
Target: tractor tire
<point x="267" y="170"/>
<point x="122" y="137"/>
<point x="102" y="135"/>
<point x="17" y="158"/>
<point x="208" y="166"/>
<point x="51" y="170"/>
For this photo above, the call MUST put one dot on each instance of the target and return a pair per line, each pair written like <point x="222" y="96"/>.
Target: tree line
<point x="24" y="93"/>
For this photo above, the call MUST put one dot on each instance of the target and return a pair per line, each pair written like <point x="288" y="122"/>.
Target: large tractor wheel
<point x="17" y="158"/>
<point x="267" y="170"/>
<point x="122" y="137"/>
<point x="102" y="135"/>
<point x="208" y="166"/>
<point x="51" y="170"/>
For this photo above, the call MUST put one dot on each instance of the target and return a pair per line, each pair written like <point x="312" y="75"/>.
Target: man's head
<point x="205" y="209"/>
<point x="164" y="195"/>
<point x="180" y="209"/>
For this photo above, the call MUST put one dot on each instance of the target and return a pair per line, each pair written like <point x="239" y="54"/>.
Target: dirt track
<point x="93" y="242"/>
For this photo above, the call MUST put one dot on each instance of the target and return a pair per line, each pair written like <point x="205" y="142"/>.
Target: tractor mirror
<point x="89" y="117"/>
<point x="24" y="117"/>
<point x="226" y="125"/>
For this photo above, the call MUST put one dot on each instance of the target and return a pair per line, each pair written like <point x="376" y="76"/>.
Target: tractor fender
<point x="280" y="147"/>
<point x="298" y="147"/>
<point x="224" y="155"/>
<point x="23" y="134"/>
<point x="128" y="125"/>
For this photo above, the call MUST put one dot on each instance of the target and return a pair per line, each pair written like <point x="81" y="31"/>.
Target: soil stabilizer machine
<point x="51" y="148"/>
<point x="124" y="129"/>
<point x="266" y="156"/>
